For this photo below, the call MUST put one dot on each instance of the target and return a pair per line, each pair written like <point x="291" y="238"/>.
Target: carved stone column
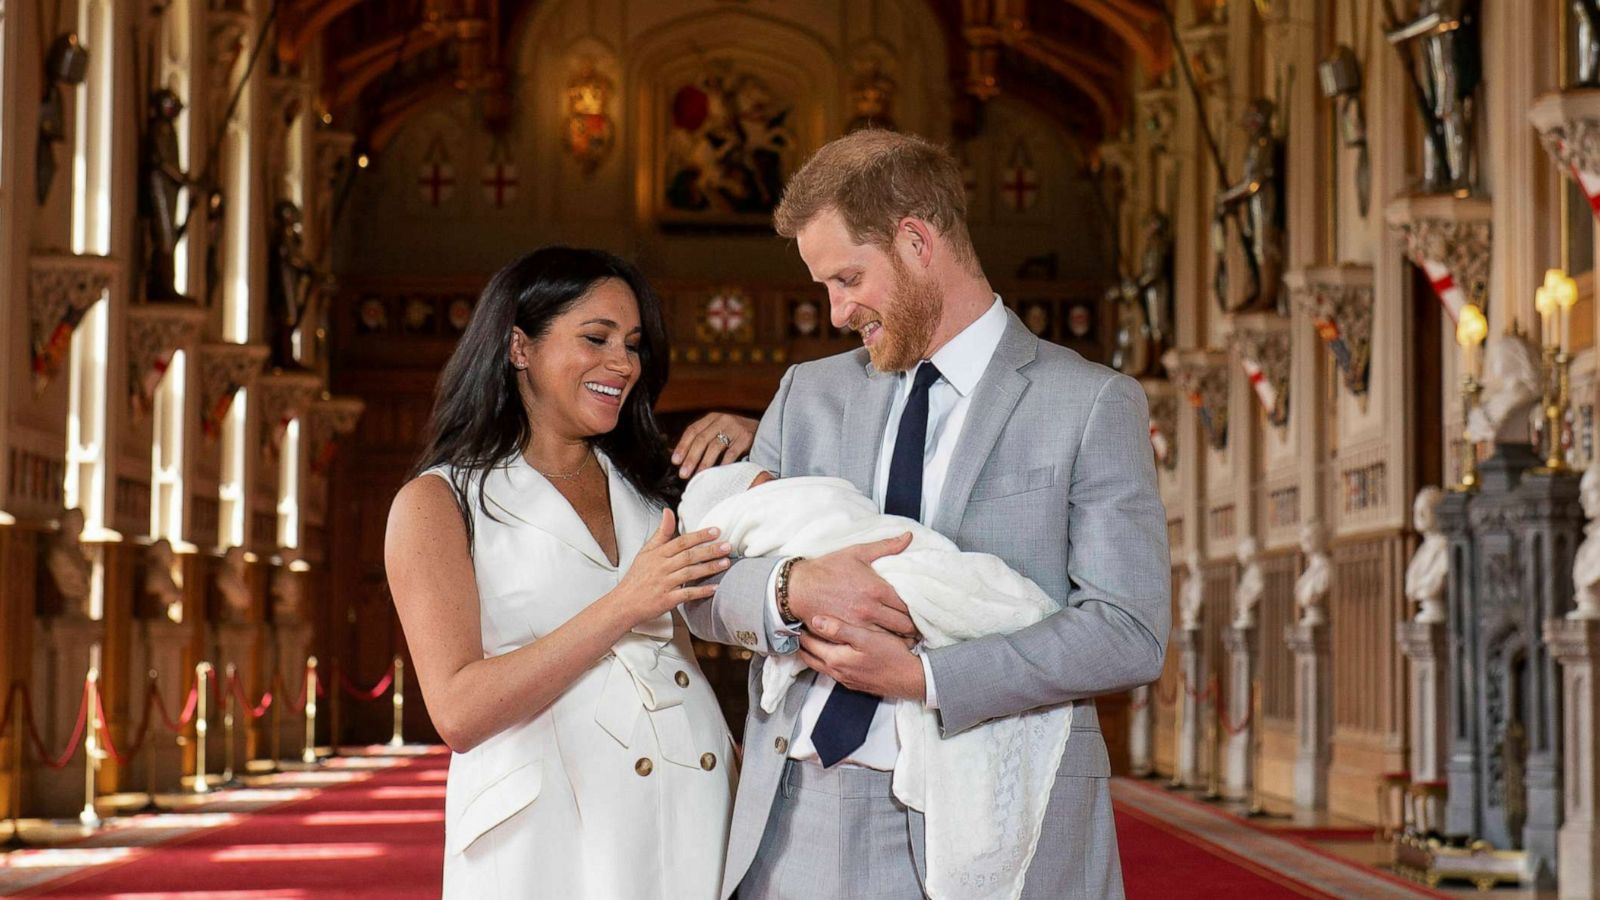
<point x="1339" y="301"/>
<point x="1313" y="714"/>
<point x="1426" y="645"/>
<point x="1191" y="644"/>
<point x="1261" y="342"/>
<point x="1575" y="644"/>
<point x="156" y="331"/>
<point x="1202" y="377"/>
<point x="1141" y="731"/>
<point x="1568" y="123"/>
<point x="1448" y="238"/>
<point x="1238" y="763"/>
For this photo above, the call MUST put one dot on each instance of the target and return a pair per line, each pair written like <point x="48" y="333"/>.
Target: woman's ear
<point x="519" y="349"/>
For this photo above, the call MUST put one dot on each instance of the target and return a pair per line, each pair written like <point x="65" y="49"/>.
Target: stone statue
<point x="1259" y="192"/>
<point x="1131" y="355"/>
<point x="288" y="596"/>
<point x="231" y="585"/>
<point x="1252" y="584"/>
<point x="161" y="590"/>
<point x="66" y="63"/>
<point x="160" y="180"/>
<point x="1155" y="282"/>
<point x="1586" y="562"/>
<point x="1311" y="588"/>
<point x="1429" y="569"/>
<point x="1191" y="601"/>
<point x="1586" y="13"/>
<point x="68" y="566"/>
<point x="290" y="279"/>
<point x="1513" y="384"/>
<point x="1446" y="74"/>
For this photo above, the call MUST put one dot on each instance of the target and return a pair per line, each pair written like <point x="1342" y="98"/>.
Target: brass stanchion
<point x="397" y="739"/>
<point x="309" y="754"/>
<point x="202" y="674"/>
<point x="1214" y="743"/>
<point x="14" y="802"/>
<point x="89" y="818"/>
<point x="228" y="702"/>
<point x="1177" y="735"/>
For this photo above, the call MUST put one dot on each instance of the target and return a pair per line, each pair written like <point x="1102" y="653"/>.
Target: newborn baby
<point x="983" y="792"/>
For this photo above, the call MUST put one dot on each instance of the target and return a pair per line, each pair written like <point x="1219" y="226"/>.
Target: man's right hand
<point x="843" y="584"/>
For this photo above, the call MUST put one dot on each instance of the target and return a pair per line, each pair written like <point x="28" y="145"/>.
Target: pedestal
<point x="1141" y="732"/>
<point x="1238" y="727"/>
<point x="158" y="646"/>
<point x="1190" y="641"/>
<point x="65" y="648"/>
<point x="291" y="647"/>
<point x="1425" y="645"/>
<point x="1575" y="643"/>
<point x="237" y="643"/>
<point x="1313" y="714"/>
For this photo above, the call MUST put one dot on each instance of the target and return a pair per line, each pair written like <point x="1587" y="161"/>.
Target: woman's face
<point x="582" y="370"/>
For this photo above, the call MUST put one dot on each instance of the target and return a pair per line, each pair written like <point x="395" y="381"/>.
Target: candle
<point x="1471" y="329"/>
<point x="1566" y="298"/>
<point x="1544" y="301"/>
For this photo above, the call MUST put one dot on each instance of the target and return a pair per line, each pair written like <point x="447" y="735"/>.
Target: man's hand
<point x="844" y="585"/>
<point x="865" y="659"/>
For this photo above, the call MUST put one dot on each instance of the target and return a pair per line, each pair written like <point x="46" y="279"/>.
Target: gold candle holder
<point x="1555" y="300"/>
<point x="1471" y="329"/>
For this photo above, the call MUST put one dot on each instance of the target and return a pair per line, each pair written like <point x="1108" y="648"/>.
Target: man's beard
<point x="908" y="324"/>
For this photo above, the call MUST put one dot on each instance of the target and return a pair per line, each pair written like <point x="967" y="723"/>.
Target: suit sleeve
<point x="1111" y="632"/>
<point x="737" y="613"/>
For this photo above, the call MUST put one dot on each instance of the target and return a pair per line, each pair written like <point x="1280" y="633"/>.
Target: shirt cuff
<point x="931" y="698"/>
<point x="781" y="636"/>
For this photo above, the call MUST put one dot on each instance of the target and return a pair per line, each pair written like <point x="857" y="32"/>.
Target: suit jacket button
<point x="708" y="761"/>
<point x="782" y="745"/>
<point x="682" y="678"/>
<point x="644" y="766"/>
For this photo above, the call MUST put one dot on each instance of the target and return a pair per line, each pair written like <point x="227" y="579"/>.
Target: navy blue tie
<point x="845" y="719"/>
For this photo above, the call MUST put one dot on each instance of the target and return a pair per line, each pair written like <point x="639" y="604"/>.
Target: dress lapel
<point x="518" y="493"/>
<point x="866" y="411"/>
<point x="993" y="401"/>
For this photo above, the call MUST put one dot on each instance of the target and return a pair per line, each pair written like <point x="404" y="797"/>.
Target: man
<point x="954" y="413"/>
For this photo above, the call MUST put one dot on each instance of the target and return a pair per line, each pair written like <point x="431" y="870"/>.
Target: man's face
<point x="873" y="292"/>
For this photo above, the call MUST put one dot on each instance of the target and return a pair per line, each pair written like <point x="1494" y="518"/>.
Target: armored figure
<point x="289" y="284"/>
<point x="1447" y="72"/>
<point x="1155" y="281"/>
<point x="160" y="180"/>
<point x="1259" y="192"/>
<point x="67" y="63"/>
<point x="1131" y="356"/>
<point x="1587" y="14"/>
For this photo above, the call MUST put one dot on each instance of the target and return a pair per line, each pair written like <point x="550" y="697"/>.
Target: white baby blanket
<point x="983" y="793"/>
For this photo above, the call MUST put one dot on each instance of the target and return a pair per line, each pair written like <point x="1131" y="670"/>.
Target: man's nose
<point x="840" y="310"/>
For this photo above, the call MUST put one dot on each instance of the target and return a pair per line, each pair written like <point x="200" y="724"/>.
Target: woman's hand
<point x="702" y="445"/>
<point x="663" y="574"/>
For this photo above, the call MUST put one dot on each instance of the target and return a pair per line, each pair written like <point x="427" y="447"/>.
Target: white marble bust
<point x="1429" y="568"/>
<point x="1311" y="588"/>
<point x="231" y="584"/>
<point x="160" y="587"/>
<point x="1252" y="584"/>
<point x="68" y="566"/>
<point x="1513" y="383"/>
<point x="1586" y="562"/>
<point x="1191" y="600"/>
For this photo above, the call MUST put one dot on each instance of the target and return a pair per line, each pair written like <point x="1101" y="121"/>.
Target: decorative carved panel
<point x="155" y="332"/>
<point x="61" y="288"/>
<point x="1261" y="341"/>
<point x="1202" y="377"/>
<point x="224" y="369"/>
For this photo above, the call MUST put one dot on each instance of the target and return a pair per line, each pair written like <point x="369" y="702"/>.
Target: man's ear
<point x="918" y="236"/>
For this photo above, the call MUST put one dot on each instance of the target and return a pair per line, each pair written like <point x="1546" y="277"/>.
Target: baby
<point x="983" y="792"/>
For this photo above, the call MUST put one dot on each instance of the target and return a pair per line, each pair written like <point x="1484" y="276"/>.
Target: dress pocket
<point x="496" y="800"/>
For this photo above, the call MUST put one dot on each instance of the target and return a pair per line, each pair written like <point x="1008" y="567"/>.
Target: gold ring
<point x="723" y="439"/>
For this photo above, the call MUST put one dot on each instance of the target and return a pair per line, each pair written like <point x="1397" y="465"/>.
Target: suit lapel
<point x="866" y="411"/>
<point x="993" y="401"/>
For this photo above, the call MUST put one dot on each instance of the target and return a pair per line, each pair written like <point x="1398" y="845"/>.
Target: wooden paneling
<point x="1277" y="612"/>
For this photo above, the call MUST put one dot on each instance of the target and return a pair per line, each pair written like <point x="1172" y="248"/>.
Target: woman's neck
<point x="554" y="453"/>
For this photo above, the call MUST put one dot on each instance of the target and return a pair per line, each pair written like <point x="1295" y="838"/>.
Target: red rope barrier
<point x="256" y="710"/>
<point x="372" y="693"/>
<point x="61" y="761"/>
<point x="121" y="759"/>
<point x="189" y="706"/>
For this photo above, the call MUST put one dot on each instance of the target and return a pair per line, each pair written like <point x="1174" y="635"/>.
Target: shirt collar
<point x="963" y="359"/>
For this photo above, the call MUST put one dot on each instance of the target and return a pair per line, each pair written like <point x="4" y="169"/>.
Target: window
<point x="166" y="455"/>
<point x="231" y="494"/>
<point x="236" y="236"/>
<point x="86" y="420"/>
<point x="91" y="155"/>
<point x="289" y="486"/>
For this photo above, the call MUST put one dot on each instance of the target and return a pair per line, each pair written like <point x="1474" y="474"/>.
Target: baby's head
<point x="715" y="485"/>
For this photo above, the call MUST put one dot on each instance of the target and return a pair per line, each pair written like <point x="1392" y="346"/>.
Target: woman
<point x="535" y="568"/>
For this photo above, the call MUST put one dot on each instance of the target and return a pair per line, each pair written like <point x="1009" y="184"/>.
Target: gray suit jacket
<point x="1052" y="473"/>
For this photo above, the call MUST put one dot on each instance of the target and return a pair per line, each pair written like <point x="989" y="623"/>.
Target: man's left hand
<point x="864" y="659"/>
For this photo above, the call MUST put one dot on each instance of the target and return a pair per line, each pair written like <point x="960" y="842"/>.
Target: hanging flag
<point x="1265" y="392"/>
<point x="499" y="176"/>
<point x="1445" y="288"/>
<point x="436" y="178"/>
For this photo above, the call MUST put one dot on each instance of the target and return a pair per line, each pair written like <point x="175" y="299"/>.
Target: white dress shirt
<point x="961" y="363"/>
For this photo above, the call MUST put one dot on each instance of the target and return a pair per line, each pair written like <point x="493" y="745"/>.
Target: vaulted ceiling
<point x="383" y="59"/>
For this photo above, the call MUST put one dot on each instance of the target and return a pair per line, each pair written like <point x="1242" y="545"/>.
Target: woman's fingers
<point x="665" y="531"/>
<point x="701" y="454"/>
<point x="702" y="553"/>
<point x="689" y="434"/>
<point x="692" y="539"/>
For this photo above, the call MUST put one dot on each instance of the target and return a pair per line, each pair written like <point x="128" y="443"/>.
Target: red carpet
<point x="1162" y="862"/>
<point x="382" y="836"/>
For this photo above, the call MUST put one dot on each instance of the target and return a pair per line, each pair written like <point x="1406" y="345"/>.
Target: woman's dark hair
<point x="478" y="419"/>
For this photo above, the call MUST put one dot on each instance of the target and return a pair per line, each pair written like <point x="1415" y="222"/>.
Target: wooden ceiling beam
<point x="300" y="22"/>
<point x="1138" y="24"/>
<point x="377" y="60"/>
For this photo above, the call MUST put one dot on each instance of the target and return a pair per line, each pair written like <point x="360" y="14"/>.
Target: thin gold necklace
<point x="568" y="476"/>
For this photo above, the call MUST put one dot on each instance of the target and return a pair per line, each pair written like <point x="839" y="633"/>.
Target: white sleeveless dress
<point x="622" y="789"/>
